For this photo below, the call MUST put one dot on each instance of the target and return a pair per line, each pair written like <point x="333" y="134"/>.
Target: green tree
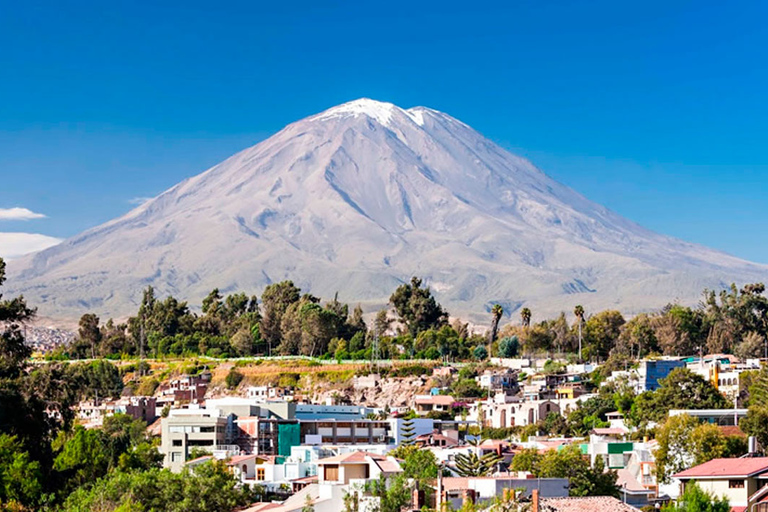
<point x="585" y="480"/>
<point x="694" y="499"/>
<point x="472" y="464"/>
<point x="234" y="378"/>
<point x="756" y="423"/>
<point x="509" y="346"/>
<point x="89" y="333"/>
<point x="496" y="312"/>
<point x="420" y="465"/>
<point x="684" y="442"/>
<point x="525" y="316"/>
<point x="394" y="493"/>
<point x="20" y="477"/>
<point x="578" y="312"/>
<point x="275" y="301"/>
<point x="601" y="332"/>
<point x="417" y="308"/>
<point x="208" y="487"/>
<point x="681" y="389"/>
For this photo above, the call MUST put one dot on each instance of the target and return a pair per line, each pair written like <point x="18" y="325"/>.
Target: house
<point x="142" y="408"/>
<point x="424" y="404"/>
<point x="503" y="415"/>
<point x="435" y="438"/>
<point x="264" y="393"/>
<point x="633" y="492"/>
<point x="735" y="479"/>
<point x="346" y="468"/>
<point x="491" y="379"/>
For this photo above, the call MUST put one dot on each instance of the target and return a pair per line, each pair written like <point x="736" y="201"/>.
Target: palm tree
<point x="496" y="311"/>
<point x="472" y="464"/>
<point x="579" y="312"/>
<point x="525" y="314"/>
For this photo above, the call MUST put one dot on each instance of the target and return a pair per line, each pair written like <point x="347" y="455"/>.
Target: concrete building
<point x="183" y="430"/>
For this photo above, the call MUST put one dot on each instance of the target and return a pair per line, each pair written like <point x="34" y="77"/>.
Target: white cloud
<point x="138" y="201"/>
<point x="13" y="245"/>
<point x="19" y="214"/>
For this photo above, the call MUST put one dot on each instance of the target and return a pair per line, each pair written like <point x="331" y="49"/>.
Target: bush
<point x="234" y="378"/>
<point x="480" y="353"/>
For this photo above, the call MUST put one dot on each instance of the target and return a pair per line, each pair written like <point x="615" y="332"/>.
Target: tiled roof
<point x="357" y="457"/>
<point x="727" y="467"/>
<point x="237" y="459"/>
<point x="731" y="430"/>
<point x="435" y="399"/>
<point x="388" y="466"/>
<point x="626" y="480"/>
<point x="586" y="504"/>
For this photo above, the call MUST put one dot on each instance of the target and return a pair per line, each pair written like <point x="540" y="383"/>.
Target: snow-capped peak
<point x="378" y="110"/>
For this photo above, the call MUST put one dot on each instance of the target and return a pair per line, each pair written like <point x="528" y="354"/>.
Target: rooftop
<point x="357" y="457"/>
<point x="585" y="504"/>
<point x="720" y="468"/>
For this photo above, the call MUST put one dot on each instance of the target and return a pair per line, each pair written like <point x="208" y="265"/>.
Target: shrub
<point x="234" y="378"/>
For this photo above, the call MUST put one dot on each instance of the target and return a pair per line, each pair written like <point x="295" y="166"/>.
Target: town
<point x="295" y="451"/>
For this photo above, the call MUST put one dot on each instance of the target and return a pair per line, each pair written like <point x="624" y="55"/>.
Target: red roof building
<point x="739" y="480"/>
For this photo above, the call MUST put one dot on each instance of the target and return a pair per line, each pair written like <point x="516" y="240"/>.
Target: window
<point x="177" y="442"/>
<point x="735" y="484"/>
<point x="259" y="473"/>
<point x="331" y="473"/>
<point x="177" y="457"/>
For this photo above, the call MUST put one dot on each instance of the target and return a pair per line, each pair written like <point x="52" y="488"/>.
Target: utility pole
<point x="375" y="356"/>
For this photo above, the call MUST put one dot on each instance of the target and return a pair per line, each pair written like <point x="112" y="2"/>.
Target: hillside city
<point x="292" y="403"/>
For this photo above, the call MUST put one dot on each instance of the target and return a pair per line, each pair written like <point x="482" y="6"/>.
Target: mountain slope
<point x="359" y="198"/>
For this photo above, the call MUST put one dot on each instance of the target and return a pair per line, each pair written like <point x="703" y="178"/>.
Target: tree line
<point x="285" y="321"/>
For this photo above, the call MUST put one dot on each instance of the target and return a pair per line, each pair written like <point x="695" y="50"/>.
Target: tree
<point x="209" y="486"/>
<point x="694" y="499"/>
<point x="275" y="301"/>
<point x="417" y="308"/>
<point x="20" y="477"/>
<point x="601" y="332"/>
<point x="578" y="311"/>
<point x="472" y="464"/>
<point x="756" y="423"/>
<point x="393" y="493"/>
<point x="381" y="323"/>
<point x="509" y="346"/>
<point x="496" y="312"/>
<point x="233" y="378"/>
<point x="585" y="480"/>
<point x="681" y="389"/>
<point x="684" y="442"/>
<point x="420" y="465"/>
<point x="637" y="336"/>
<point x="525" y="315"/>
<point x="480" y="353"/>
<point x="751" y="346"/>
<point x="407" y="432"/>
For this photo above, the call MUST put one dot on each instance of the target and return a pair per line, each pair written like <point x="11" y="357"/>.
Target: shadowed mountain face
<point x="358" y="199"/>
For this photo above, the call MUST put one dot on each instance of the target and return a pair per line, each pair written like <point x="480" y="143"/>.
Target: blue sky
<point x="656" y="109"/>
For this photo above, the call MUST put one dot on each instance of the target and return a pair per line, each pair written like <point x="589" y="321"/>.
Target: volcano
<point x="356" y="200"/>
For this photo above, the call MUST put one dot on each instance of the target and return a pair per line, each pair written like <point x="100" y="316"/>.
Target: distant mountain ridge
<point x="359" y="198"/>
